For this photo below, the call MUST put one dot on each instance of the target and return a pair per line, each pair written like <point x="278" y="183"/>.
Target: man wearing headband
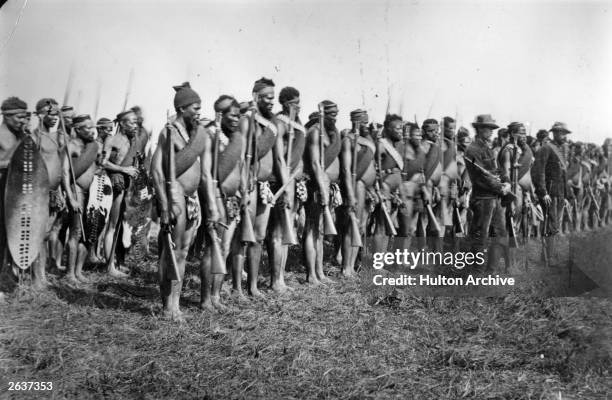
<point x="52" y="144"/>
<point x="324" y="172"/>
<point x="433" y="175"/>
<point x="515" y="159"/>
<point x="119" y="152"/>
<point x="354" y="187"/>
<point x="84" y="150"/>
<point x="231" y="152"/>
<point x="464" y="187"/>
<point x="269" y="168"/>
<point x="284" y="212"/>
<point x="390" y="148"/>
<point x="179" y="206"/>
<point x="12" y="130"/>
<point x="68" y="113"/>
<point x="413" y="181"/>
<point x="104" y="127"/>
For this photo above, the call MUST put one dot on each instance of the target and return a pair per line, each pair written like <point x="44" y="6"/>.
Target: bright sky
<point x="532" y="61"/>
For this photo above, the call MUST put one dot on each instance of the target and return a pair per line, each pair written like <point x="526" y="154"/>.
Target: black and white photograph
<point x="306" y="199"/>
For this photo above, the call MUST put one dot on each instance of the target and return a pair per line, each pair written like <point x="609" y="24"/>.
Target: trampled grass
<point x="341" y="341"/>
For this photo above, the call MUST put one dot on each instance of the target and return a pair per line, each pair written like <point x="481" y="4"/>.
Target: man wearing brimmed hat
<point x="83" y="149"/>
<point x="52" y="144"/>
<point x="178" y="205"/>
<point x="119" y="152"/>
<point x="550" y="180"/>
<point x="488" y="219"/>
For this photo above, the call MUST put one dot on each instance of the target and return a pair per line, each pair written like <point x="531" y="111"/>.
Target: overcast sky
<point x="532" y="61"/>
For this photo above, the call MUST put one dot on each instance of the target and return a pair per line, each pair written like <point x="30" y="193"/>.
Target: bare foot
<point x="115" y="273"/>
<point x="60" y="267"/>
<point x="2" y="298"/>
<point x="39" y="284"/>
<point x="313" y="281"/>
<point x="348" y="273"/>
<point x="207" y="306"/>
<point x="255" y="293"/>
<point x="238" y="296"/>
<point x="281" y="287"/>
<point x="221" y="308"/>
<point x="71" y="278"/>
<point x="324" y="279"/>
<point x="94" y="260"/>
<point x="82" y="278"/>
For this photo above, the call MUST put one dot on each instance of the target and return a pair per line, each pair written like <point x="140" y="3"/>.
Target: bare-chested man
<point x="411" y="187"/>
<point x="284" y="213"/>
<point x="119" y="152"/>
<point x="83" y="149"/>
<point x="268" y="167"/>
<point x="52" y="142"/>
<point x="355" y="187"/>
<point x="231" y="149"/>
<point x="391" y="149"/>
<point x="324" y="170"/>
<point x="14" y="120"/>
<point x="179" y="206"/>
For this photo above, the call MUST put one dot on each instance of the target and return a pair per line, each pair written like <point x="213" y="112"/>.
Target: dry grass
<point x="345" y="341"/>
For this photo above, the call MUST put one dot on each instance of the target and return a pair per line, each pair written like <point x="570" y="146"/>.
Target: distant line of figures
<point x="224" y="187"/>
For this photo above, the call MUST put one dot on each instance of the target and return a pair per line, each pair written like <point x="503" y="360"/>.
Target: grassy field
<point x="346" y="340"/>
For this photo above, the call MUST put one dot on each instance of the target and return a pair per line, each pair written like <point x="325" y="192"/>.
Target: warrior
<point x="229" y="155"/>
<point x="282" y="219"/>
<point x="449" y="206"/>
<point x="515" y="160"/>
<point x="464" y="188"/>
<point x="83" y="150"/>
<point x="358" y="175"/>
<point x="500" y="141"/>
<point x="488" y="215"/>
<point x="321" y="163"/>
<point x="575" y="176"/>
<point x="119" y="152"/>
<point x="14" y="124"/>
<point x="432" y="218"/>
<point x="51" y="142"/>
<point x="104" y="126"/>
<point x="67" y="114"/>
<point x="181" y="163"/>
<point x="266" y="165"/>
<point x="413" y="180"/>
<point x="390" y="165"/>
<point x="541" y="139"/>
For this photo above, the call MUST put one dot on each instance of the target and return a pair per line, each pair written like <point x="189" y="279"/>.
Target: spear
<point x="97" y="101"/>
<point x="68" y="85"/>
<point x="128" y="90"/>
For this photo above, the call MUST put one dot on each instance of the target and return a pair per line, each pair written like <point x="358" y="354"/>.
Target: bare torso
<point x="49" y="146"/>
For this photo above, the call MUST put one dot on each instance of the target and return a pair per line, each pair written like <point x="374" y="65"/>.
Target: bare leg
<point x="319" y="256"/>
<point x="277" y="255"/>
<point x="110" y="237"/>
<point x="310" y="252"/>
<point x="81" y="256"/>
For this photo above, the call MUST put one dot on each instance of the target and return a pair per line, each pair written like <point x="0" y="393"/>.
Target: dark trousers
<point x="488" y="223"/>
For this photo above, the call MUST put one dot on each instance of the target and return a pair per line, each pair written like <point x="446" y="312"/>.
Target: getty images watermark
<point x="412" y="260"/>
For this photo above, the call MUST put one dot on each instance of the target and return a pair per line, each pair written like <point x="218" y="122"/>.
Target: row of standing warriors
<point x="225" y="187"/>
